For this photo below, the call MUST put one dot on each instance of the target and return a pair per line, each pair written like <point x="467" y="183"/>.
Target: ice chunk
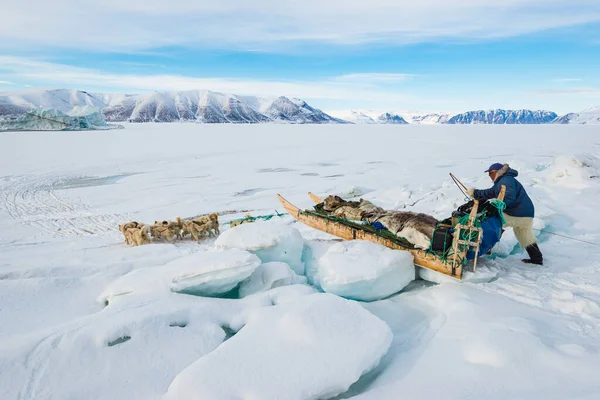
<point x="364" y="270"/>
<point x="269" y="240"/>
<point x="201" y="273"/>
<point x="569" y="171"/>
<point x="268" y="276"/>
<point x="309" y="349"/>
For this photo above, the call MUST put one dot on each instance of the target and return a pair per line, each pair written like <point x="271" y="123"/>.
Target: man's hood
<point x="506" y="170"/>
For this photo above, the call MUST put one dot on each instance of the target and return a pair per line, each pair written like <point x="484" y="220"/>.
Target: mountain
<point x="295" y="110"/>
<point x="425" y="119"/>
<point x="389" y="118"/>
<point x="63" y="100"/>
<point x="369" y="117"/>
<point x="591" y="116"/>
<point x="503" y="117"/>
<point x="356" y="116"/>
<point x="194" y="105"/>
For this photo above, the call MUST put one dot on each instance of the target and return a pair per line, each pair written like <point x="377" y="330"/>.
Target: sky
<point x="431" y="55"/>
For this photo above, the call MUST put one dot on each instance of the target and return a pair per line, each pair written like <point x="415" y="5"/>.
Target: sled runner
<point x="450" y="260"/>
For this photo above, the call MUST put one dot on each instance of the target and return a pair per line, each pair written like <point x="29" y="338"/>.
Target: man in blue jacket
<point x="519" y="210"/>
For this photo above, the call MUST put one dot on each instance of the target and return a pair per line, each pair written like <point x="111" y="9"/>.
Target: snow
<point x="363" y="270"/>
<point x="590" y="116"/>
<point x="200" y="273"/>
<point x="280" y="352"/>
<point x="268" y="276"/>
<point x="373" y="116"/>
<point x="509" y="330"/>
<point x="270" y="240"/>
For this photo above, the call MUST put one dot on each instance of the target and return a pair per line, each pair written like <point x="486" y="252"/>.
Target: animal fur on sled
<point x="417" y="228"/>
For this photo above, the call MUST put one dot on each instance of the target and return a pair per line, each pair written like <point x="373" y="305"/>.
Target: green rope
<point x="501" y="206"/>
<point x="263" y="217"/>
<point x="385" y="234"/>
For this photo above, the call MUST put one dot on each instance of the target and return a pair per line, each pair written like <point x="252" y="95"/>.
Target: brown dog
<point x="210" y="223"/>
<point x="123" y="228"/>
<point x="137" y="236"/>
<point x="161" y="230"/>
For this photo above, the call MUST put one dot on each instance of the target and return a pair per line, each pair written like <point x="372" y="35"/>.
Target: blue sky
<point x="389" y="55"/>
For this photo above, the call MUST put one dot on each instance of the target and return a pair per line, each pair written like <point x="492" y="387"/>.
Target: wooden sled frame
<point x="452" y="265"/>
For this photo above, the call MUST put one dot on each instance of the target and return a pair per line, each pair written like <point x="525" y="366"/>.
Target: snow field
<point x="508" y="331"/>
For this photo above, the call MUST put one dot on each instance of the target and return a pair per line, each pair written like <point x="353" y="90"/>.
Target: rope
<point x="263" y="217"/>
<point x="385" y="234"/>
<point x="567" y="237"/>
<point x="460" y="186"/>
<point x="501" y="206"/>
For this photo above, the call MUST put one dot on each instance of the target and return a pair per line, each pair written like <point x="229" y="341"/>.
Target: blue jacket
<point x="518" y="203"/>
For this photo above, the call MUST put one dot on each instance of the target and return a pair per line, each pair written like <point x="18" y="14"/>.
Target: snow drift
<point x="310" y="349"/>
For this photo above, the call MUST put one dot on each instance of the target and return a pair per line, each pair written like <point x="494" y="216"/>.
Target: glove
<point x="471" y="192"/>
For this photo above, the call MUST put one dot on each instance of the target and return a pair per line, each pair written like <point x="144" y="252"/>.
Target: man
<point x="519" y="207"/>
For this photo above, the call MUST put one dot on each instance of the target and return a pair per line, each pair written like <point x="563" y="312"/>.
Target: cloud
<point x="567" y="91"/>
<point x="48" y="73"/>
<point x="116" y="25"/>
<point x="6" y="83"/>
<point x="374" y="77"/>
<point x="566" y="80"/>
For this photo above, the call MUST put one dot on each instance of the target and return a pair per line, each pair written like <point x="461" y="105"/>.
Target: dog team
<point x="137" y="234"/>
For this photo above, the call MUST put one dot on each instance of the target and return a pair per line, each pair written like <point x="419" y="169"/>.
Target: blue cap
<point x="495" y="167"/>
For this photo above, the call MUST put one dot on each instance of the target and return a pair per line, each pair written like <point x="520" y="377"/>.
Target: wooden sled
<point x="452" y="265"/>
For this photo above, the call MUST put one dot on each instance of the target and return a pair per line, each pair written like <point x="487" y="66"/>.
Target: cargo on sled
<point x="470" y="232"/>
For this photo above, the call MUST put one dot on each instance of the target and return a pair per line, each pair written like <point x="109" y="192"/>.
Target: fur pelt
<point x="417" y="228"/>
<point x="356" y="211"/>
<point x="500" y="173"/>
<point x="523" y="228"/>
<point x="332" y="203"/>
<point x="414" y="227"/>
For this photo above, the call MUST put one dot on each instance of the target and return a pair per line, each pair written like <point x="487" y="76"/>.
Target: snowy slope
<point x="590" y="116"/>
<point x="60" y="99"/>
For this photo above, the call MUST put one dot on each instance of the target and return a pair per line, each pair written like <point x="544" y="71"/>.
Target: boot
<point x="535" y="255"/>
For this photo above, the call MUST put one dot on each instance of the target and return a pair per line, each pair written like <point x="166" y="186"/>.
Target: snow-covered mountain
<point x="295" y="110"/>
<point x="503" y="117"/>
<point x="18" y="102"/>
<point x="193" y="105"/>
<point x="425" y="119"/>
<point x="355" y="116"/>
<point x="390" y="118"/>
<point x="369" y="116"/>
<point x="590" y="116"/>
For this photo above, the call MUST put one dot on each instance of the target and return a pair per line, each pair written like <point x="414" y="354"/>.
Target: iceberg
<point x="365" y="271"/>
<point x="269" y="240"/>
<point x="51" y="119"/>
<point x="312" y="348"/>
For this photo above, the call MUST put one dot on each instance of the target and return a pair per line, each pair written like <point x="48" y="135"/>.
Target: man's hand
<point x="471" y="192"/>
